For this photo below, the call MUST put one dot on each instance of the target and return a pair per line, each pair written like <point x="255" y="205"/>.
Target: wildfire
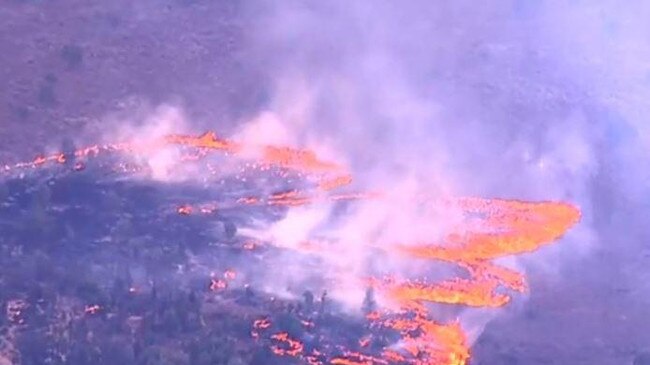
<point x="509" y="227"/>
<point x="528" y="227"/>
<point x="518" y="227"/>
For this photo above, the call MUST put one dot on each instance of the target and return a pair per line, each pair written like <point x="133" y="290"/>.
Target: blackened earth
<point x="99" y="268"/>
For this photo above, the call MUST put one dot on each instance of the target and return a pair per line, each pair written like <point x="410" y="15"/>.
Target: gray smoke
<point x="514" y="99"/>
<point x="531" y="100"/>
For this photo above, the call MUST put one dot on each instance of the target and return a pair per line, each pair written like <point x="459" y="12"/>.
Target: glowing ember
<point x="260" y="325"/>
<point x="217" y="284"/>
<point x="263" y="323"/>
<point x="457" y="291"/>
<point x="229" y="274"/>
<point x="78" y="166"/>
<point x="184" y="210"/>
<point x="287" y="346"/>
<point x="249" y="246"/>
<point x="92" y="309"/>
<point x="308" y="324"/>
<point x="355" y="358"/>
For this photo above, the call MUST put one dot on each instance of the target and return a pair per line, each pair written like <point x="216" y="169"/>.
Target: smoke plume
<point x="520" y="100"/>
<point x="515" y="100"/>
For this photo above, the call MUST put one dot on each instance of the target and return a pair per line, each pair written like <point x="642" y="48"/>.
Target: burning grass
<point x="406" y="334"/>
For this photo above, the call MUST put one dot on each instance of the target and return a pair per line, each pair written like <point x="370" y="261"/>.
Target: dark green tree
<point x="309" y="300"/>
<point x="369" y="303"/>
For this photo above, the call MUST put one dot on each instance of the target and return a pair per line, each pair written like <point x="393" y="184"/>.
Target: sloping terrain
<point x="96" y="268"/>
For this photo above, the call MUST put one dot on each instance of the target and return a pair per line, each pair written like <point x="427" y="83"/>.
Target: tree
<point x="68" y="149"/>
<point x="369" y="303"/>
<point x="72" y="56"/>
<point x="323" y="300"/>
<point x="289" y="323"/>
<point x="216" y="349"/>
<point x="309" y="300"/>
<point x="642" y="359"/>
<point x="230" y="229"/>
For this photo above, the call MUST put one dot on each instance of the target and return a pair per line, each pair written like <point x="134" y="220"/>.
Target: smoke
<point x="163" y="120"/>
<point x="142" y="124"/>
<point x="516" y="99"/>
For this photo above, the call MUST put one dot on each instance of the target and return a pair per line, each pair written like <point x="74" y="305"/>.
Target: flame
<point x="262" y="323"/>
<point x="508" y="227"/>
<point x="248" y="200"/>
<point x="208" y="209"/>
<point x="335" y="183"/>
<point x="517" y="227"/>
<point x="290" y="347"/>
<point x="529" y="226"/>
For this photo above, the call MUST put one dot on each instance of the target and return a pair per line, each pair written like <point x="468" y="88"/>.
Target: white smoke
<point x="447" y="99"/>
<point x="520" y="99"/>
<point x="141" y="124"/>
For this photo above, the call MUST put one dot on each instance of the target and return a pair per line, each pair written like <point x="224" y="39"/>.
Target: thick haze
<point x="527" y="100"/>
<point x="517" y="98"/>
<point x="541" y="100"/>
<point x="531" y="100"/>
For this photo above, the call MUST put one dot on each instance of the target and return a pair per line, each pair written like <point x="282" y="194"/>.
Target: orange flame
<point x="520" y="227"/>
<point x="515" y="227"/>
<point x="290" y="347"/>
